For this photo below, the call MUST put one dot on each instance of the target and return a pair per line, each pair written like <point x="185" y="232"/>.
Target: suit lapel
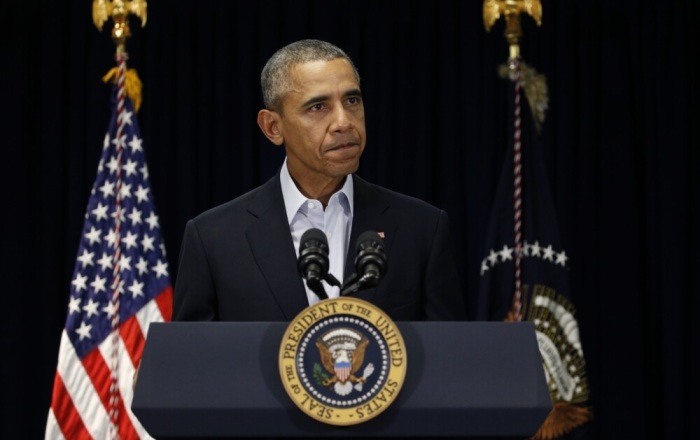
<point x="369" y="210"/>
<point x="272" y="247"/>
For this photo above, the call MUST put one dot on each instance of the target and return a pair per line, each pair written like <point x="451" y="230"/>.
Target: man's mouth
<point x="342" y="146"/>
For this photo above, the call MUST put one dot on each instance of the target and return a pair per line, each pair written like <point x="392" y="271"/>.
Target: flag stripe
<point x="151" y="312"/>
<point x="99" y="372"/>
<point x="53" y="431"/>
<point x="165" y="303"/>
<point x="132" y="427"/>
<point x="130" y="332"/>
<point x="71" y="424"/>
<point x="81" y="392"/>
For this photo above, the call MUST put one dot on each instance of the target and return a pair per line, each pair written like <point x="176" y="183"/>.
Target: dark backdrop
<point x="620" y="143"/>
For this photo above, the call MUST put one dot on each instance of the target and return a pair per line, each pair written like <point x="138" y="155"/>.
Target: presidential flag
<point x="525" y="267"/>
<point x="120" y="285"/>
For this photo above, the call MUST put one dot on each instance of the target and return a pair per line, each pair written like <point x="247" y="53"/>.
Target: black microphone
<point x="313" y="261"/>
<point x="370" y="263"/>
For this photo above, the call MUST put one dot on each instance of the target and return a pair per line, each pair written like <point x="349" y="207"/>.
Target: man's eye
<point x="353" y="100"/>
<point x="317" y="107"/>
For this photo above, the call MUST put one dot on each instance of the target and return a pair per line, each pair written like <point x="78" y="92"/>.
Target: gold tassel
<point x="535" y="87"/>
<point x="132" y="84"/>
<point x="562" y="419"/>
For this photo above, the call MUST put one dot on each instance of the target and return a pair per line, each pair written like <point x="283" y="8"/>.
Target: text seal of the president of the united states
<point x="342" y="361"/>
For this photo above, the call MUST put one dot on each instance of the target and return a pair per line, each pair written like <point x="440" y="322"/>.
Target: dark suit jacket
<point x="237" y="261"/>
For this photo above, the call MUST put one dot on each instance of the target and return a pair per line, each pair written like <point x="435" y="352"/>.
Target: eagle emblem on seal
<point x="342" y="353"/>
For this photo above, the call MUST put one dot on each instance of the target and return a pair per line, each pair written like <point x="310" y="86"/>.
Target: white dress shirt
<point x="335" y="221"/>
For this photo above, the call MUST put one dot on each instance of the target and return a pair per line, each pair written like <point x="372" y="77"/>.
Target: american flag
<point x="127" y="255"/>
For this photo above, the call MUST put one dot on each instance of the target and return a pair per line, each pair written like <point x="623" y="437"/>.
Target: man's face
<point x="322" y="122"/>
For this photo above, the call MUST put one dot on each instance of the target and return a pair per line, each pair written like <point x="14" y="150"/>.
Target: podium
<point x="221" y="380"/>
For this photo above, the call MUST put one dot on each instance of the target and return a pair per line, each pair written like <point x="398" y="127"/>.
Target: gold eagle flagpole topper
<point x="119" y="11"/>
<point x="511" y="10"/>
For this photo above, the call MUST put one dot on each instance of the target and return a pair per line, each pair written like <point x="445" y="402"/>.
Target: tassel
<point x="132" y="84"/>
<point x="535" y="86"/>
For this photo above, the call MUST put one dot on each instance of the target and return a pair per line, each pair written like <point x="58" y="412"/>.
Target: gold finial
<point x="511" y="10"/>
<point x="119" y="10"/>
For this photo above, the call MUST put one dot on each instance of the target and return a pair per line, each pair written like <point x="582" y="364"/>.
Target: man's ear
<point x="269" y="123"/>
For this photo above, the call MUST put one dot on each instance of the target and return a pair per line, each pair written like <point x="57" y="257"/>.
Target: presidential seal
<point x="342" y="361"/>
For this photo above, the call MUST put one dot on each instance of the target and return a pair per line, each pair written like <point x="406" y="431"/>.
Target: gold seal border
<point x="396" y="350"/>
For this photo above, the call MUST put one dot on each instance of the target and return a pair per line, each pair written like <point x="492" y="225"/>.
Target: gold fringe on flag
<point x="562" y="419"/>
<point x="132" y="84"/>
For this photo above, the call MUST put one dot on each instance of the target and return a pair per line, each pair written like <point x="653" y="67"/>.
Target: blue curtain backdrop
<point x="620" y="146"/>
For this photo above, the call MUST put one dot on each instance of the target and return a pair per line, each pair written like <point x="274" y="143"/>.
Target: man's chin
<point x="343" y="168"/>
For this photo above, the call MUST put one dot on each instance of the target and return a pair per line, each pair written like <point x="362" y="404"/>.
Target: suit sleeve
<point x="195" y="297"/>
<point x="444" y="296"/>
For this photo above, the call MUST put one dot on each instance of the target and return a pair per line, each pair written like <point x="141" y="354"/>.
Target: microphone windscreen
<point x="369" y="237"/>
<point x="370" y="255"/>
<point x="313" y="234"/>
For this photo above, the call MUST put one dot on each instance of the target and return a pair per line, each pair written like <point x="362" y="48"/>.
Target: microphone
<point x="370" y="263"/>
<point x="313" y="261"/>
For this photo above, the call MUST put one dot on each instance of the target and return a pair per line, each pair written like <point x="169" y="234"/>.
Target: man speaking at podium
<point x="239" y="260"/>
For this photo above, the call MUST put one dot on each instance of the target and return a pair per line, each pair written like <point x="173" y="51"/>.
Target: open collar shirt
<point x="335" y="221"/>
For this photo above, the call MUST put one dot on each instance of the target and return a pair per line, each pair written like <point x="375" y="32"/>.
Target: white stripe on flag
<point x="53" y="431"/>
<point x="125" y="378"/>
<point x="81" y="391"/>
<point x="150" y="312"/>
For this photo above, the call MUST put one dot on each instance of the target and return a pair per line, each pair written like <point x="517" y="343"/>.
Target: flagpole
<point x="517" y="307"/>
<point x="119" y="10"/>
<point x="511" y="11"/>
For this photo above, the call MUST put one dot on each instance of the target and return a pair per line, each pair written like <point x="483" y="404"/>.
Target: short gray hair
<point x="274" y="79"/>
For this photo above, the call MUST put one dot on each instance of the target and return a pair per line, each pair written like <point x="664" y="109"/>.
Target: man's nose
<point x="342" y="120"/>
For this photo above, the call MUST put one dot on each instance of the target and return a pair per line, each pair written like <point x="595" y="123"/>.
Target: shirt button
<point x="311" y="205"/>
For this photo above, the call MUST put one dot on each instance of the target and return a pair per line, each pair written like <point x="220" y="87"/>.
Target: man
<point x="238" y="261"/>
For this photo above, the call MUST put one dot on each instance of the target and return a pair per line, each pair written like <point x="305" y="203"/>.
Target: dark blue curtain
<point x="620" y="146"/>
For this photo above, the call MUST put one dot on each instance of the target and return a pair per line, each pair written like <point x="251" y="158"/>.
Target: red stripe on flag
<point x="99" y="374"/>
<point x="133" y="338"/>
<point x="165" y="303"/>
<point x="126" y="428"/>
<point x="66" y="415"/>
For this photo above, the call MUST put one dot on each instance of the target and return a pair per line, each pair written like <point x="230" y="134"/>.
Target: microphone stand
<point x="354" y="284"/>
<point x="317" y="287"/>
